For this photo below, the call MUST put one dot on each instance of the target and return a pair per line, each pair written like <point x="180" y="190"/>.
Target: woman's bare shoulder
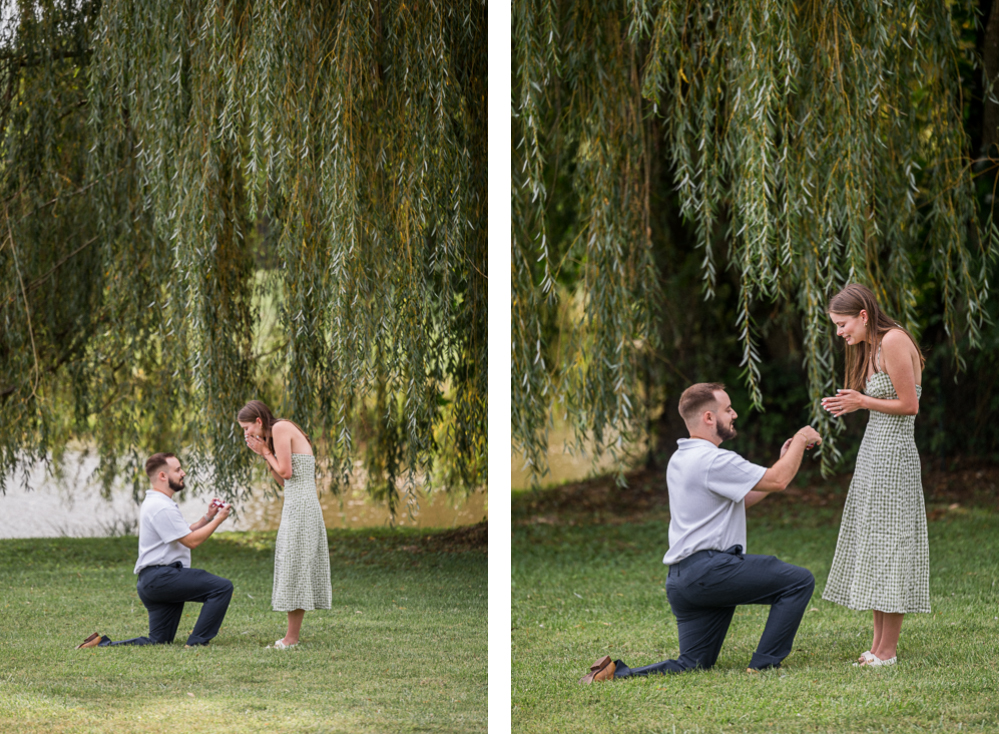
<point x="284" y="427"/>
<point x="897" y="340"/>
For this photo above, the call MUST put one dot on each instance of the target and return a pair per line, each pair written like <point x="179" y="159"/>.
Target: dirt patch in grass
<point x="460" y="540"/>
<point x="966" y="483"/>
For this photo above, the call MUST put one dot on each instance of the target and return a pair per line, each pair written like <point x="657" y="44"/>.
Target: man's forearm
<point x="788" y="465"/>
<point x="199" y="536"/>
<point x="205" y="520"/>
<point x="783" y="471"/>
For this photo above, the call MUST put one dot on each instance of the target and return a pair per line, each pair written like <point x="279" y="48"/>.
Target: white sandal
<point x="866" y="656"/>
<point x="280" y="645"/>
<point x="875" y="662"/>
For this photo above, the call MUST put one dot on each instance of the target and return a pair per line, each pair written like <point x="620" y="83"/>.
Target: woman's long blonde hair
<point x="853" y="299"/>
<point x="255" y="409"/>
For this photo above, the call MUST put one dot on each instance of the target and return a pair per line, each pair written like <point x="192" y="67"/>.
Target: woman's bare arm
<point x="280" y="462"/>
<point x="897" y="351"/>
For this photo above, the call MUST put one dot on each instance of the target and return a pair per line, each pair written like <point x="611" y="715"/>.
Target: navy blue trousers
<point x="704" y="590"/>
<point x="164" y="590"/>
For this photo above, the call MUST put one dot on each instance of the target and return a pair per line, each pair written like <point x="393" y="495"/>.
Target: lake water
<point x="563" y="465"/>
<point x="73" y="507"/>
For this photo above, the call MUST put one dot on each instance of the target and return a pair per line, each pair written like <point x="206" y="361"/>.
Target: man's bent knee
<point x="805" y="579"/>
<point x="811" y="579"/>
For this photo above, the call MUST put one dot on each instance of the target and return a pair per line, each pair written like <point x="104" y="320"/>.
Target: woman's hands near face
<point x="253" y="434"/>
<point x="257" y="445"/>
<point x="845" y="401"/>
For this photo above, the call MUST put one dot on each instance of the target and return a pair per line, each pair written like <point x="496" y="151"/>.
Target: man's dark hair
<point x="154" y="462"/>
<point x="695" y="398"/>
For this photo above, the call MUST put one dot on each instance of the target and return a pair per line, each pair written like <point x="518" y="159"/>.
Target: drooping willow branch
<point x="807" y="145"/>
<point x="235" y="164"/>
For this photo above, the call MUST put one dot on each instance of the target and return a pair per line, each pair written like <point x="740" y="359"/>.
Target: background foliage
<point x="208" y="201"/>
<point x="692" y="181"/>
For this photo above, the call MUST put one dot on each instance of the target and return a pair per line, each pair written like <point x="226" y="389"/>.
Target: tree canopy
<point x="178" y="176"/>
<point x="690" y="178"/>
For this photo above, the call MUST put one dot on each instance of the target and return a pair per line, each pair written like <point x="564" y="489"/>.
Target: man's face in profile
<point x="724" y="417"/>
<point x="175" y="475"/>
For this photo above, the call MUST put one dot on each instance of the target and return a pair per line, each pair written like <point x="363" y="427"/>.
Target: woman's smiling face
<point x="252" y="429"/>
<point x="852" y="329"/>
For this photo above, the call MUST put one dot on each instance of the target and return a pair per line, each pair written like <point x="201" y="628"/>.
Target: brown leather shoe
<point x="91" y="641"/>
<point x="605" y="673"/>
<point x="603" y="669"/>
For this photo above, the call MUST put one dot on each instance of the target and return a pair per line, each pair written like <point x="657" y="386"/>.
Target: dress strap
<point x="878" y="358"/>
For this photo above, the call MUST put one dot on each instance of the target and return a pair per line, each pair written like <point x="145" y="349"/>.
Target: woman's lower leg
<point x="877" y="630"/>
<point x="888" y="639"/>
<point x="294" y="626"/>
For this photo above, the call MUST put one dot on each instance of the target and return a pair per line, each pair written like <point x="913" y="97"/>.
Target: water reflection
<point x="73" y="507"/>
<point x="357" y="511"/>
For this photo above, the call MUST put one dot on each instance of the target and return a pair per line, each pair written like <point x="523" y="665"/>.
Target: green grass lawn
<point x="585" y="590"/>
<point x="404" y="648"/>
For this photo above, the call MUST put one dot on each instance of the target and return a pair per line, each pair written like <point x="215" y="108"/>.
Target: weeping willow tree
<point x="803" y="145"/>
<point x="172" y="173"/>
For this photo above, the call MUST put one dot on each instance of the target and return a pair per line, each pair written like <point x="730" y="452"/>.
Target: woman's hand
<point x="258" y="446"/>
<point x="845" y="401"/>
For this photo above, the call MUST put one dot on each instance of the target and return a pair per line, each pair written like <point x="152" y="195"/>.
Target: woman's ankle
<point x="884" y="653"/>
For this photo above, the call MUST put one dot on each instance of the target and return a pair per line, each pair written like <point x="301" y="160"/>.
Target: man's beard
<point x="175" y="486"/>
<point x="725" y="433"/>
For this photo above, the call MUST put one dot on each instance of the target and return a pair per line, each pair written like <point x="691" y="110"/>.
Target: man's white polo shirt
<point x="707" y="485"/>
<point x="161" y="524"/>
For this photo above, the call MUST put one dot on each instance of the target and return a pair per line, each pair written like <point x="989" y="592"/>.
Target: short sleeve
<point x="731" y="476"/>
<point x="169" y="524"/>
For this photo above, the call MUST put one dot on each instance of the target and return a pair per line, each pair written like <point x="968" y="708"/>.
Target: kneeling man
<point x="166" y="579"/>
<point x="710" y="575"/>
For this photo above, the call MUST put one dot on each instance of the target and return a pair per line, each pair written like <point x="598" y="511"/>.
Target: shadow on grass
<point x="599" y="501"/>
<point x="374" y="544"/>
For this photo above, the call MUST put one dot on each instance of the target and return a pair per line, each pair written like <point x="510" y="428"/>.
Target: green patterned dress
<point x="301" y="554"/>
<point x="881" y="561"/>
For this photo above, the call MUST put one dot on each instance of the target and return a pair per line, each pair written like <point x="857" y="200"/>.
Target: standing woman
<point x="301" y="554"/>
<point x="881" y="561"/>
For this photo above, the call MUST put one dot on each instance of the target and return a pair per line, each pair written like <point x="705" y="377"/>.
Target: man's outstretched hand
<point x="810" y="434"/>
<point x="781" y="474"/>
